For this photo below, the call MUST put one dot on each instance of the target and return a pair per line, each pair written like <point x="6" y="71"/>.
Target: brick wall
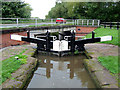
<point x="84" y="30"/>
<point x="6" y="41"/>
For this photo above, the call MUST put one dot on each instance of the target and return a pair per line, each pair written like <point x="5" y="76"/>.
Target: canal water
<point x="61" y="72"/>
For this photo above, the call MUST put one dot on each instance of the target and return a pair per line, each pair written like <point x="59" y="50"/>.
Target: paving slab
<point x="105" y="78"/>
<point x="100" y="74"/>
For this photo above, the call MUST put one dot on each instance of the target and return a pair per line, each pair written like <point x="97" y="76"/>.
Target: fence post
<point x="93" y="23"/>
<point x="104" y="24"/>
<point x="74" y="21"/>
<point x="17" y="22"/>
<point x="36" y="22"/>
<point x="82" y="22"/>
<point x="87" y="22"/>
<point x="51" y="21"/>
<point x="117" y="25"/>
<point x="77" y="22"/>
<point x="98" y="23"/>
<point x="110" y="25"/>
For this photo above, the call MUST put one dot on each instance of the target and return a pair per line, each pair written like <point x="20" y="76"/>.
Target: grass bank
<point x="105" y="32"/>
<point x="109" y="62"/>
<point x="11" y="64"/>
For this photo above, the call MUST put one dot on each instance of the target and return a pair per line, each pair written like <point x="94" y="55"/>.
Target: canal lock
<point x="60" y="72"/>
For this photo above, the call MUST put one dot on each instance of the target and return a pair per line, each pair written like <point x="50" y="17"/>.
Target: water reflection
<point x="61" y="72"/>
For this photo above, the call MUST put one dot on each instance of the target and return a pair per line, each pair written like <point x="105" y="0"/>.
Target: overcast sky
<point x="40" y="7"/>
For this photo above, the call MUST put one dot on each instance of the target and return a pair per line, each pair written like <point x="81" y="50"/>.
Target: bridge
<point x="26" y="22"/>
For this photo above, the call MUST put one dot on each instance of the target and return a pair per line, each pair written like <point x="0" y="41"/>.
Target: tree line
<point x="105" y="11"/>
<point x="15" y="10"/>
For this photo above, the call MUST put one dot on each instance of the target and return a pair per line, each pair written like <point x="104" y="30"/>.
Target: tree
<point x="59" y="10"/>
<point x="105" y="11"/>
<point x="16" y="10"/>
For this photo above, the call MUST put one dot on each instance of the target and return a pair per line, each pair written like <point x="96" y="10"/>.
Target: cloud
<point x="40" y="7"/>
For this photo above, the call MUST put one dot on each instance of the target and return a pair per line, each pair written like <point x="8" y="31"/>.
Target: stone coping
<point x="100" y="75"/>
<point x="20" y="77"/>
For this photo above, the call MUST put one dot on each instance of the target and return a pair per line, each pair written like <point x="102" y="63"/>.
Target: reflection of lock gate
<point x="67" y="44"/>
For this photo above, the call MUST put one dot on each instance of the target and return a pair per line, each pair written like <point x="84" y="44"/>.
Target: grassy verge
<point x="104" y="32"/>
<point x="11" y="64"/>
<point x="111" y="64"/>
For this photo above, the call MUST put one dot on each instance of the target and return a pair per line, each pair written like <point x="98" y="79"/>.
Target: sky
<point x="40" y="7"/>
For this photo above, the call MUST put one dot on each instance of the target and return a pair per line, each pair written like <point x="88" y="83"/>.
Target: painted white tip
<point x="73" y="30"/>
<point x="106" y="38"/>
<point x="48" y="30"/>
<point x="17" y="58"/>
<point x="16" y="37"/>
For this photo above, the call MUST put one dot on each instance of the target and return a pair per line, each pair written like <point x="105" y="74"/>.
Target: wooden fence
<point x="111" y="25"/>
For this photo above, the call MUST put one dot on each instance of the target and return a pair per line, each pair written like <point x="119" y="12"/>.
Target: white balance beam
<point x="16" y="37"/>
<point x="106" y="38"/>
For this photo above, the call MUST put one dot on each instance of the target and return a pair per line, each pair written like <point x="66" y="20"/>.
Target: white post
<point x="82" y="22"/>
<point x="17" y="22"/>
<point x="98" y="23"/>
<point x="77" y="22"/>
<point x="36" y="22"/>
<point x="51" y="21"/>
<point x="87" y="22"/>
<point x="93" y="23"/>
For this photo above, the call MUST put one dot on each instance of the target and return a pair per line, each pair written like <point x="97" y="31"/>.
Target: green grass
<point x="11" y="64"/>
<point x="110" y="63"/>
<point x="104" y="32"/>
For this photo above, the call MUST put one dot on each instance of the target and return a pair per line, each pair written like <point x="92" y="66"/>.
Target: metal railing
<point x="88" y="22"/>
<point x="35" y="22"/>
